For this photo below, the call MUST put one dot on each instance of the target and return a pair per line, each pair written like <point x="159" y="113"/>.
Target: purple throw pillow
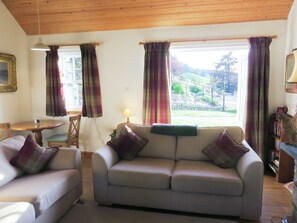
<point x="127" y="144"/>
<point x="224" y="151"/>
<point x="32" y="158"/>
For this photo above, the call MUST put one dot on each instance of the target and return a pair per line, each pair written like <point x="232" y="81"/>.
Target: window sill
<point x="73" y="112"/>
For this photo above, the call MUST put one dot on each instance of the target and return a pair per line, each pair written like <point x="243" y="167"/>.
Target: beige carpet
<point x="99" y="214"/>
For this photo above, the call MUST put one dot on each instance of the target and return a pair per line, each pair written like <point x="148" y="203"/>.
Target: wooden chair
<point x="5" y="131"/>
<point x="70" y="138"/>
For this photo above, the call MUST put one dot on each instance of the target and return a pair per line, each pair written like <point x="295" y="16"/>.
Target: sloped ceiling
<point x="68" y="16"/>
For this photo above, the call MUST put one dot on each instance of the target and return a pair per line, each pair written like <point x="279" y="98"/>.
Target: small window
<point x="208" y="83"/>
<point x="71" y="74"/>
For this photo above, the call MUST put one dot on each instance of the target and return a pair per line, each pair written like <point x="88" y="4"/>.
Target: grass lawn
<point x="203" y="118"/>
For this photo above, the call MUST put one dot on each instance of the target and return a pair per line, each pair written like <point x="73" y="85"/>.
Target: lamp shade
<point x="39" y="46"/>
<point x="127" y="112"/>
<point x="293" y="77"/>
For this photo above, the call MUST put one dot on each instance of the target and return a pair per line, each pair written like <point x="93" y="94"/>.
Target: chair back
<point x="73" y="130"/>
<point x="5" y="131"/>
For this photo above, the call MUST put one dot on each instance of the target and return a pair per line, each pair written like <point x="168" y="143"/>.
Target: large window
<point x="71" y="69"/>
<point x="208" y="83"/>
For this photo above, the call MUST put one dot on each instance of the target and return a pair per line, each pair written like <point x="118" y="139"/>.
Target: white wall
<point x="291" y="43"/>
<point x="120" y="60"/>
<point x="15" y="106"/>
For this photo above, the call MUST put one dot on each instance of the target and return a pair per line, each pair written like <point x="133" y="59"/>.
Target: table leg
<point x="38" y="137"/>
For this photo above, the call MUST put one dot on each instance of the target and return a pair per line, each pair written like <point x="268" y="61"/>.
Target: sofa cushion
<point x="32" y="158"/>
<point x="190" y="147"/>
<point x="142" y="172"/>
<point x="127" y="144"/>
<point x="8" y="149"/>
<point x="224" y="151"/>
<point x="205" y="177"/>
<point x="17" y="212"/>
<point x="158" y="146"/>
<point x="41" y="189"/>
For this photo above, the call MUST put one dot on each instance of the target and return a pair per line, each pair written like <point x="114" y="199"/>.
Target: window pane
<point x="205" y="87"/>
<point x="70" y="63"/>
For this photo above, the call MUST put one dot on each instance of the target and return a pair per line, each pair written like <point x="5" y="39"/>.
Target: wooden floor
<point x="277" y="201"/>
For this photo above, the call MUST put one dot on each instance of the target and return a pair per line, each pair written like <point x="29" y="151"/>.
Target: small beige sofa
<point x="43" y="197"/>
<point x="172" y="173"/>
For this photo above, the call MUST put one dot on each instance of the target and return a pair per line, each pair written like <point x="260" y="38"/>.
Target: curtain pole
<point x="206" y="40"/>
<point x="74" y="44"/>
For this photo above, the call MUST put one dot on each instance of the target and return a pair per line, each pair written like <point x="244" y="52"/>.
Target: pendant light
<point x="293" y="77"/>
<point x="39" y="46"/>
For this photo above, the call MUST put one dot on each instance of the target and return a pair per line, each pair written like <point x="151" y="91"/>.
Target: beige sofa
<point x="172" y="173"/>
<point x="42" y="197"/>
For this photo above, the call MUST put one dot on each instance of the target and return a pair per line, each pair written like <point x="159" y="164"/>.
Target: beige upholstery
<point x="204" y="177"/>
<point x="158" y="146"/>
<point x="44" y="189"/>
<point x="190" y="147"/>
<point x="142" y="172"/>
<point x="195" y="184"/>
<point x="8" y="149"/>
<point x="17" y="212"/>
<point x="51" y="192"/>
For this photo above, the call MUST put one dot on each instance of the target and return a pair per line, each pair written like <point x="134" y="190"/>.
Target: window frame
<point x="231" y="45"/>
<point x="72" y="52"/>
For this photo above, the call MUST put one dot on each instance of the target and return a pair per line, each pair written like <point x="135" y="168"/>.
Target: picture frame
<point x="290" y="61"/>
<point x="8" y="80"/>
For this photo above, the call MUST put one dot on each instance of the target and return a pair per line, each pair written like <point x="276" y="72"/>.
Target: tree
<point x="178" y="67"/>
<point x="224" y="77"/>
<point x="177" y="88"/>
<point x="195" y="90"/>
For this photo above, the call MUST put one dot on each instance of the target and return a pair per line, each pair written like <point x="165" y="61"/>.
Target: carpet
<point x="101" y="214"/>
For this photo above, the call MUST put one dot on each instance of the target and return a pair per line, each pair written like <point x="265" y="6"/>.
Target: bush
<point x="177" y="88"/>
<point x="213" y="102"/>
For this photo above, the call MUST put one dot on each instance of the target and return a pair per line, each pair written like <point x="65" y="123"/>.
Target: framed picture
<point x="292" y="88"/>
<point x="8" y="81"/>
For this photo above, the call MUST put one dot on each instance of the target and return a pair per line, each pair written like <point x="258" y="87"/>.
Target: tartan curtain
<point x="55" y="100"/>
<point x="156" y="98"/>
<point x="257" y="96"/>
<point x="91" y="104"/>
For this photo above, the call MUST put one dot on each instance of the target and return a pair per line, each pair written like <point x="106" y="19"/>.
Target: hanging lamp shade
<point x="293" y="77"/>
<point x="39" y="46"/>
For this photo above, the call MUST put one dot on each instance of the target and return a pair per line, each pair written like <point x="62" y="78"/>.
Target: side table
<point x="292" y="151"/>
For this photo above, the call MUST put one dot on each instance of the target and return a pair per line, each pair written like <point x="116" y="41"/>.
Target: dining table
<point x="36" y="128"/>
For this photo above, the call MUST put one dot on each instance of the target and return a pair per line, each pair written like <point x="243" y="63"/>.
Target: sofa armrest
<point x="251" y="170"/>
<point x="102" y="160"/>
<point x="66" y="158"/>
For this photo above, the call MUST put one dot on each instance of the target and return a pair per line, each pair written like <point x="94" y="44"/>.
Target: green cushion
<point x="58" y="138"/>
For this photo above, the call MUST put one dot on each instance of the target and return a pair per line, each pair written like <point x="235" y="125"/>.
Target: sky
<point x="205" y="59"/>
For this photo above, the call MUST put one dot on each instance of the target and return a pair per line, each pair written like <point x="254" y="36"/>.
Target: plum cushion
<point x="32" y="158"/>
<point x="224" y="151"/>
<point x="127" y="143"/>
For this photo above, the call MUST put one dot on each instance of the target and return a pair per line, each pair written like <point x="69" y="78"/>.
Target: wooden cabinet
<point x="280" y="162"/>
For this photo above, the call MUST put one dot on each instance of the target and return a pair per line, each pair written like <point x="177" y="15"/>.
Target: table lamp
<point x="127" y="114"/>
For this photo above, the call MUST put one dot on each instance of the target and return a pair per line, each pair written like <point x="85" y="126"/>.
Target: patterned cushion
<point x="289" y="127"/>
<point x="32" y="158"/>
<point x="127" y="143"/>
<point x="224" y="151"/>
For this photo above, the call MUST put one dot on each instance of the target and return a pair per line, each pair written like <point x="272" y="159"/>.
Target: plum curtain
<point x="257" y="96"/>
<point x="156" y="95"/>
<point x="92" y="104"/>
<point x="55" y="100"/>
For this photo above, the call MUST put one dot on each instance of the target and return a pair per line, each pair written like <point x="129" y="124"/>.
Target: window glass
<point x="71" y="73"/>
<point x="208" y="83"/>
